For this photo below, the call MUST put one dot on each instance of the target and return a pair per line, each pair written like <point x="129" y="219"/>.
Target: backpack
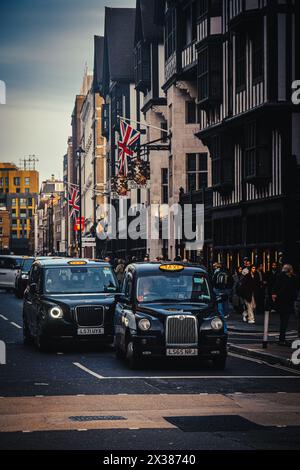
<point x="222" y="280"/>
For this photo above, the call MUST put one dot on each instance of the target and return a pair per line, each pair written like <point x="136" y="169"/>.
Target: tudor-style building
<point x="152" y="107"/>
<point x="118" y="91"/>
<point x="246" y="54"/>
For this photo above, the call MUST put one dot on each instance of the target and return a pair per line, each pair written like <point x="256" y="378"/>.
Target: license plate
<point x="182" y="352"/>
<point x="90" y="331"/>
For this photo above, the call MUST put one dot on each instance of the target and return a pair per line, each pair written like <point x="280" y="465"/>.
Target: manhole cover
<point x="226" y="423"/>
<point x="96" y="418"/>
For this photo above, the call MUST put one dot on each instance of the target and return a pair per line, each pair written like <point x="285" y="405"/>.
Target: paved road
<point x="50" y="401"/>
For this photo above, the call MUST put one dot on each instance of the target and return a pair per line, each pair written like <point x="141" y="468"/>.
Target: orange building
<point x="18" y="194"/>
<point x="4" y="230"/>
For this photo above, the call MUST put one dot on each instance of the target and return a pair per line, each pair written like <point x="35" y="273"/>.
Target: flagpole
<point x="142" y="124"/>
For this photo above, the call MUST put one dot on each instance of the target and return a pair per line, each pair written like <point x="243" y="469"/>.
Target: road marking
<point x="259" y="361"/>
<point x="89" y="371"/>
<point x="2" y="316"/>
<point x="40" y="383"/>
<point x="15" y="324"/>
<point x="81" y="429"/>
<point x="39" y="396"/>
<point x="26" y="431"/>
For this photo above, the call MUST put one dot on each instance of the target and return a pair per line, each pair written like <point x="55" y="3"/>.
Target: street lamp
<point x="79" y="153"/>
<point x="51" y="227"/>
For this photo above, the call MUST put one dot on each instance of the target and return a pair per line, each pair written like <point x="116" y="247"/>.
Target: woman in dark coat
<point x="284" y="295"/>
<point x="249" y="290"/>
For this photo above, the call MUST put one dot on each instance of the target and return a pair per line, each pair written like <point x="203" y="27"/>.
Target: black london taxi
<point x="22" y="276"/>
<point x="168" y="310"/>
<point x="69" y="299"/>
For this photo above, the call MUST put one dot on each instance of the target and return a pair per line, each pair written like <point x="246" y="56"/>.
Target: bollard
<point x="266" y="329"/>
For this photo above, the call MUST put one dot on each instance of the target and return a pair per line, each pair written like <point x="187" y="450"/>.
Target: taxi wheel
<point x="119" y="352"/>
<point x="219" y="362"/>
<point x="133" y="361"/>
<point x="27" y="338"/>
<point x="42" y="343"/>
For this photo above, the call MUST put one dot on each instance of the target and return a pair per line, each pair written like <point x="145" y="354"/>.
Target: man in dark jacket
<point x="271" y="277"/>
<point x="284" y="295"/>
<point x="222" y="283"/>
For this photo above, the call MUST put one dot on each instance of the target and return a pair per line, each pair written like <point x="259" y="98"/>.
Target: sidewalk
<point x="273" y="354"/>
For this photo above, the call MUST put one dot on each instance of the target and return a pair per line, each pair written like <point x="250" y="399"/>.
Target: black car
<point x="69" y="299"/>
<point x="168" y="310"/>
<point x="21" y="280"/>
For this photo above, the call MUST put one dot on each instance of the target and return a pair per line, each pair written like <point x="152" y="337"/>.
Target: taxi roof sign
<point x="171" y="267"/>
<point x="76" y="263"/>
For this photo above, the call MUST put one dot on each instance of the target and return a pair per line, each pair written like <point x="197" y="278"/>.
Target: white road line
<point x="2" y="316"/>
<point x="15" y="324"/>
<point x="261" y="362"/>
<point x="89" y="371"/>
<point x="81" y="429"/>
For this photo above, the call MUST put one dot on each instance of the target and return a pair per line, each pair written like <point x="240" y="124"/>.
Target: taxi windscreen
<point x="79" y="280"/>
<point x="27" y="265"/>
<point x="183" y="287"/>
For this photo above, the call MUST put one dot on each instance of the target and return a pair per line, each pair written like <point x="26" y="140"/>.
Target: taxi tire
<point x="133" y="362"/>
<point x="27" y="337"/>
<point x="119" y="352"/>
<point x="219" y="362"/>
<point x="42" y="343"/>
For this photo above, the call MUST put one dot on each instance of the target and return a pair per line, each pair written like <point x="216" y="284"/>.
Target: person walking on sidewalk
<point x="261" y="295"/>
<point x="222" y="283"/>
<point x="249" y="290"/>
<point x="284" y="295"/>
<point x="271" y="277"/>
<point x="119" y="270"/>
<point x="237" y="301"/>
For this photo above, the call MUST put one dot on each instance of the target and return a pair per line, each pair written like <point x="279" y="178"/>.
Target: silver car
<point x="9" y="266"/>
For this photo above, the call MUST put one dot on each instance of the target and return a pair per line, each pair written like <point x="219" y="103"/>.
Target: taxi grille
<point x="181" y="330"/>
<point x="89" y="315"/>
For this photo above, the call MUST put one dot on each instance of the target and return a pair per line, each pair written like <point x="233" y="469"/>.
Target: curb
<point x="265" y="356"/>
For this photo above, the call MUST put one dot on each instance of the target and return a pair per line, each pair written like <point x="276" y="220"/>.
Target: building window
<point x="196" y="168"/>
<point x="164" y="186"/>
<point x="14" y="223"/>
<point x="30" y="212"/>
<point x="216" y="160"/>
<point x="29" y="200"/>
<point x="17" y="181"/>
<point x="22" y="202"/>
<point x="1" y="181"/>
<point x="6" y="181"/>
<point x="170" y="116"/>
<point x="27" y="181"/>
<point x="1" y="220"/>
<point x="240" y="60"/>
<point x="170" y="176"/>
<point x="14" y="202"/>
<point x="202" y="8"/>
<point x="258" y="54"/>
<point x="1" y="231"/>
<point x="14" y="234"/>
<point x="170" y="33"/>
<point x="23" y="213"/>
<point x="27" y="190"/>
<point x="164" y="135"/>
<point x="190" y="112"/>
<point x="190" y="24"/>
<point x="18" y="190"/>
<point x="250" y="149"/>
<point x="203" y="74"/>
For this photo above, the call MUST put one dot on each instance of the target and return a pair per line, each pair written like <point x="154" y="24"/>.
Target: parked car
<point x="168" y="310"/>
<point x="21" y="279"/>
<point x="9" y="267"/>
<point x="69" y="299"/>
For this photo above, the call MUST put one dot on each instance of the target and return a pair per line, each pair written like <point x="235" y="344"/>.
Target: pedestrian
<point x="119" y="270"/>
<point x="222" y="284"/>
<point x="146" y="259"/>
<point x="237" y="301"/>
<point x="261" y="294"/>
<point x="177" y="258"/>
<point x="297" y="311"/>
<point x="271" y="277"/>
<point x="249" y="292"/>
<point x="284" y="294"/>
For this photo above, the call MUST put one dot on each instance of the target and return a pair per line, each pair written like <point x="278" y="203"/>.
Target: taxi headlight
<point x="216" y="323"/>
<point x="144" y="324"/>
<point x="24" y="276"/>
<point x="56" y="312"/>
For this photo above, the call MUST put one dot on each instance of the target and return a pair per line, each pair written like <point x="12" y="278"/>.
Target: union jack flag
<point x="129" y="136"/>
<point x="73" y="202"/>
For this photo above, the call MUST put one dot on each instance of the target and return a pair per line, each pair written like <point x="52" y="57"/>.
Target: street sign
<point x="88" y="241"/>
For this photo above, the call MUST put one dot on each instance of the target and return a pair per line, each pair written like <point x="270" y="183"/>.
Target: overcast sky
<point x="44" y="45"/>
